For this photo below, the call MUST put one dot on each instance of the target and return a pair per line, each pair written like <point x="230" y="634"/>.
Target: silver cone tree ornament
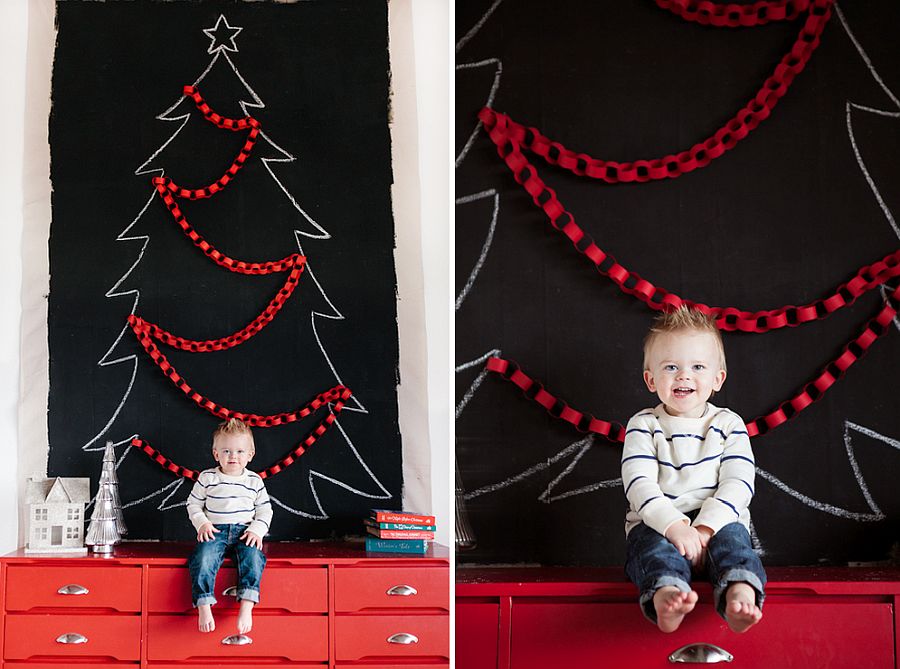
<point x="108" y="474"/>
<point x="465" y="537"/>
<point x="107" y="525"/>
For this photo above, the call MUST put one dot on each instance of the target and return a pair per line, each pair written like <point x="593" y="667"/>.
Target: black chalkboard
<point x="784" y="218"/>
<point x="317" y="181"/>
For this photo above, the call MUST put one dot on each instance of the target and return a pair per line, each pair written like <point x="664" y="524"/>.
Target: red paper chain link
<point x="228" y="124"/>
<point x="502" y="128"/>
<point x="282" y="464"/>
<point x="733" y="15"/>
<point x="811" y="392"/>
<point x="558" y="408"/>
<point x="656" y="297"/>
<point x="217" y="119"/>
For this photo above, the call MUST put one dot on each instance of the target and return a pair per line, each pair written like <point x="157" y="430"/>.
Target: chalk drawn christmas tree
<point x="233" y="315"/>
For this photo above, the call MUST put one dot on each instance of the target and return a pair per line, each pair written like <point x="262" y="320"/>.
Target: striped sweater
<point x="673" y="465"/>
<point x="218" y="498"/>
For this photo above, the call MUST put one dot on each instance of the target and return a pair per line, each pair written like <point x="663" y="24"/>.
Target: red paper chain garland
<point x="658" y="298"/>
<point x="700" y="155"/>
<point x="145" y="331"/>
<point x="811" y="392"/>
<point x="558" y="408"/>
<point x="217" y="119"/>
<point x="271" y="470"/>
<point x="141" y="330"/>
<point x="228" y="124"/>
<point x="293" y="260"/>
<point x="733" y="15"/>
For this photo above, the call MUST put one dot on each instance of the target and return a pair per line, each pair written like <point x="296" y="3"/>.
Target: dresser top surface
<point x="295" y="552"/>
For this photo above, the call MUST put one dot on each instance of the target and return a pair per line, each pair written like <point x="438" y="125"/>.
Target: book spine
<point x="407" y="526"/>
<point x="374" y="545"/>
<point x="400" y="526"/>
<point x="394" y="517"/>
<point x="400" y="534"/>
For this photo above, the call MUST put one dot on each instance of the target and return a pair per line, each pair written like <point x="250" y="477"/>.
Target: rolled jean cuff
<point x="646" y="599"/>
<point x="249" y="594"/>
<point x="737" y="576"/>
<point x="205" y="599"/>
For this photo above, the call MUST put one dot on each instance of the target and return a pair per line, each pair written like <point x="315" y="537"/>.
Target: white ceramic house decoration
<point x="56" y="514"/>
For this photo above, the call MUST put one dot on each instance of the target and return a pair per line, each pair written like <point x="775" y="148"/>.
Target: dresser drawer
<point x="99" y="664"/>
<point x="477" y="634"/>
<point x="296" y="589"/>
<point x="360" y="588"/>
<point x="359" y="637"/>
<point x="297" y="638"/>
<point x="792" y="635"/>
<point x="32" y="635"/>
<point x="114" y="587"/>
<point x="405" y="665"/>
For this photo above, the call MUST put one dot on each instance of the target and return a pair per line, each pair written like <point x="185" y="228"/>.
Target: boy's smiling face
<point x="233" y="452"/>
<point x="684" y="369"/>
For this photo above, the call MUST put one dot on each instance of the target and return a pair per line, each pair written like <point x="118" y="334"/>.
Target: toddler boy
<point x="230" y="509"/>
<point x="688" y="473"/>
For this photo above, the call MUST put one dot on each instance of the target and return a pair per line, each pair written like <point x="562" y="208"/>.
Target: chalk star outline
<point x="220" y="41"/>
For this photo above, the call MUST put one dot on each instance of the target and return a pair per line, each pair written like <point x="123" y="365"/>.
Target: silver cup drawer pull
<point x="71" y="637"/>
<point x="230" y="591"/>
<point x="402" y="591"/>
<point x="73" y="589"/>
<point x="700" y="653"/>
<point x="237" y="640"/>
<point x="403" y="638"/>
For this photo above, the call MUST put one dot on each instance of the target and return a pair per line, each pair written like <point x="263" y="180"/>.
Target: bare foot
<point x="207" y="624"/>
<point x="741" y="611"/>
<point x="671" y="606"/>
<point x="245" y="617"/>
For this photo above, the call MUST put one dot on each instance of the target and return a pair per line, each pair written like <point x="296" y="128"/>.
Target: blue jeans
<point x="652" y="562"/>
<point x="207" y="557"/>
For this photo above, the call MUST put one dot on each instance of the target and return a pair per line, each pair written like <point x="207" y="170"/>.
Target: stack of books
<point x="398" y="531"/>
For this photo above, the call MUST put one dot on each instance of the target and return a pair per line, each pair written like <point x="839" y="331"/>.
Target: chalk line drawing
<point x="754" y="539"/>
<point x="881" y="112"/>
<point x="578" y="447"/>
<point x="876" y="513"/>
<point x="470" y="393"/>
<point x="221" y="32"/>
<point x="222" y="36"/>
<point x="488" y="240"/>
<point x="487" y="103"/>
<point x="478" y="25"/>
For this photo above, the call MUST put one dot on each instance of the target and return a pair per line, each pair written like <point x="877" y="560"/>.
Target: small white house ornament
<point x="56" y="514"/>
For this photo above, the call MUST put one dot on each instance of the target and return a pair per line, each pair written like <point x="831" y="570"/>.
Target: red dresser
<point x="814" y="618"/>
<point x="322" y="604"/>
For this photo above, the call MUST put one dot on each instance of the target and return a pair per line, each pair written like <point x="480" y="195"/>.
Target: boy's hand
<point x="706" y="534"/>
<point x="252" y="539"/>
<point x="686" y="540"/>
<point x="207" y="532"/>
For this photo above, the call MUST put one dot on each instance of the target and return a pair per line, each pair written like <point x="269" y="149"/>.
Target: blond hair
<point x="233" y="426"/>
<point x="681" y="319"/>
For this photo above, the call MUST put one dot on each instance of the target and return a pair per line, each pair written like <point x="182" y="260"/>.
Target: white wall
<point x="13" y="22"/>
<point x="420" y="69"/>
<point x="420" y="64"/>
